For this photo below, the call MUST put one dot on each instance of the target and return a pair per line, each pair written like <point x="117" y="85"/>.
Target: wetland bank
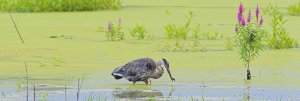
<point x="61" y="47"/>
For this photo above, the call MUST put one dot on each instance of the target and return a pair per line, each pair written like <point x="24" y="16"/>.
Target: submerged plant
<point x="94" y="97"/>
<point x="44" y="96"/>
<point x="249" y="38"/>
<point x="280" y="38"/>
<point x="20" y="85"/>
<point x="114" y="32"/>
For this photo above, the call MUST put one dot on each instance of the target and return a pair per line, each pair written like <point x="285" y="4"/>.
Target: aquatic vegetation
<point x="138" y="32"/>
<point x="20" y="85"/>
<point x="280" y="37"/>
<point x="249" y="38"/>
<point x="181" y="31"/>
<point x="181" y="46"/>
<point x="229" y="44"/>
<point x="209" y="36"/>
<point x="196" y="31"/>
<point x="93" y="97"/>
<point x="114" y="31"/>
<point x="178" y="37"/>
<point x="57" y="5"/>
<point x="294" y="9"/>
<point x="57" y="61"/>
<point x="44" y="96"/>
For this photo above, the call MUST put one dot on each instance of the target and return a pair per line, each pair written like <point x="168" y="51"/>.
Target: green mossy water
<point x="86" y="51"/>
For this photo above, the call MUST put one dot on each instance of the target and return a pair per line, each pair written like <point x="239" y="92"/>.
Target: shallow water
<point x="170" y="91"/>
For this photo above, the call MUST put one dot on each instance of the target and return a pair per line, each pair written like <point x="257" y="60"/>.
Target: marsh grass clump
<point x="210" y="35"/>
<point x="181" y="46"/>
<point x="249" y="37"/>
<point x="294" y="9"/>
<point x="57" y="5"/>
<point x="229" y="44"/>
<point x="138" y="32"/>
<point x="185" y="37"/>
<point x="196" y="32"/>
<point x="114" y="31"/>
<point x="280" y="37"/>
<point x="181" y="31"/>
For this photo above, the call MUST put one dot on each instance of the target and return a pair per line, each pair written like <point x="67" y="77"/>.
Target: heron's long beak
<point x="173" y="79"/>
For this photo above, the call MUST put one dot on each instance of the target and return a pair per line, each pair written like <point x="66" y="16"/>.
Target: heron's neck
<point x="159" y="71"/>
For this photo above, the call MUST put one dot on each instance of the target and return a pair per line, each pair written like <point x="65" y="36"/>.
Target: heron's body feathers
<point x="139" y="70"/>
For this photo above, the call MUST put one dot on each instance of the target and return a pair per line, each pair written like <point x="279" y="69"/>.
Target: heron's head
<point x="167" y="66"/>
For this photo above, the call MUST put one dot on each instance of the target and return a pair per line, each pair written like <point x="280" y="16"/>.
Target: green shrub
<point x="249" y="37"/>
<point x="138" y="32"/>
<point x="114" y="32"/>
<point x="294" y="9"/>
<point x="57" y="5"/>
<point x="280" y="38"/>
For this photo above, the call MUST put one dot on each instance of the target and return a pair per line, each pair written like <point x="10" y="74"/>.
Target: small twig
<point x="79" y="87"/>
<point x="78" y="90"/>
<point x="81" y="82"/>
<point x="65" y="92"/>
<point x="26" y="81"/>
<point x="12" y="19"/>
<point x="34" y="92"/>
<point x="246" y="82"/>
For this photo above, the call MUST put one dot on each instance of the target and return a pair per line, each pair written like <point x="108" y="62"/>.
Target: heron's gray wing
<point x="140" y="69"/>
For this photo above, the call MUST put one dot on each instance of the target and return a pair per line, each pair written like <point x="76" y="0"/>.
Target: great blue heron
<point x="142" y="70"/>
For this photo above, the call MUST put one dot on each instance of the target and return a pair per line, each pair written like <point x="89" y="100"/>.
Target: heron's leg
<point x="134" y="82"/>
<point x="146" y="82"/>
<point x="150" y="81"/>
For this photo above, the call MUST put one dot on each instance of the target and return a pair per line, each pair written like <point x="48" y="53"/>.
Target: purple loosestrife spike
<point x="257" y="13"/>
<point x="241" y="8"/>
<point x="243" y="22"/>
<point x="249" y="17"/>
<point x="261" y="21"/>
<point x="240" y="17"/>
<point x="109" y="26"/>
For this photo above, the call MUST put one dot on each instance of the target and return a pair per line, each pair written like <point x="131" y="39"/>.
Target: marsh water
<point x="212" y="75"/>
<point x="99" y="86"/>
<point x="172" y="91"/>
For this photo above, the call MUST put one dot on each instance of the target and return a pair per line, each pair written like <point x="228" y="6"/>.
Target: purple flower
<point x="236" y="29"/>
<point x="243" y="22"/>
<point x="241" y="9"/>
<point x="109" y="26"/>
<point x="261" y="21"/>
<point x="249" y="17"/>
<point x="240" y="17"/>
<point x="257" y="13"/>
<point x="120" y="20"/>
